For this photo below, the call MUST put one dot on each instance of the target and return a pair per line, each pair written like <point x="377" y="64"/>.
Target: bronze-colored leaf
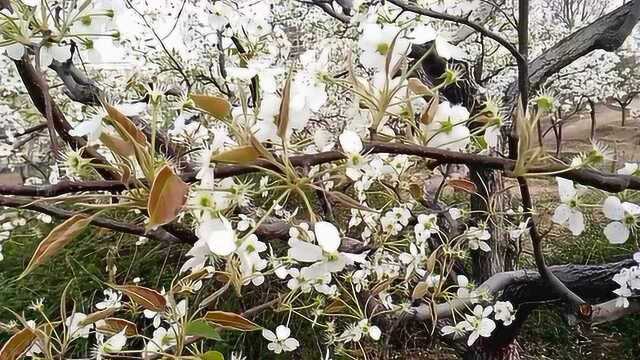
<point x="148" y="298"/>
<point x="167" y="197"/>
<point x="231" y="320"/>
<point x="432" y="260"/>
<point x="216" y="106"/>
<point x="117" y="145"/>
<point x="97" y="316"/>
<point x="112" y="326"/>
<point x="431" y="110"/>
<point x="243" y="154"/>
<point x="125" y="125"/>
<point x="347" y="201"/>
<point x="416" y="191"/>
<point x="283" y="116"/>
<point x="17" y="345"/>
<point x="57" y="239"/>
<point x="462" y="185"/>
<point x="418" y="87"/>
<point x="380" y="287"/>
<point x="335" y="307"/>
<point x="420" y="290"/>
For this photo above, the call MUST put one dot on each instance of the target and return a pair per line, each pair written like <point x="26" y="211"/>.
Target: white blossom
<point x="280" y="341"/>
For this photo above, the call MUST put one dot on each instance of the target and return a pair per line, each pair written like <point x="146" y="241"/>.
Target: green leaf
<point x="202" y="329"/>
<point x="212" y="355"/>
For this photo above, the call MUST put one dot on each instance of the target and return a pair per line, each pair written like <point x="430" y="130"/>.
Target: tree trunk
<point x="624" y="114"/>
<point x="491" y="197"/>
<point x="540" y="134"/>
<point x="592" y="106"/>
<point x="510" y="352"/>
<point x="557" y="124"/>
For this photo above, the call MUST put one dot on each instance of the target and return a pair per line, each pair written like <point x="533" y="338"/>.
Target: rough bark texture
<point x="607" y="33"/>
<point x="491" y="197"/>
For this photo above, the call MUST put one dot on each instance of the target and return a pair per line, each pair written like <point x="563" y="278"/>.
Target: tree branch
<point x="593" y="282"/>
<point x="41" y="98"/>
<point x="607" y="33"/>
<point x="463" y="21"/>
<point x="159" y="235"/>
<point x="608" y="182"/>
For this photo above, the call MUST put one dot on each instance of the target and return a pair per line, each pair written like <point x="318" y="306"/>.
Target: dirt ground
<point x="577" y="130"/>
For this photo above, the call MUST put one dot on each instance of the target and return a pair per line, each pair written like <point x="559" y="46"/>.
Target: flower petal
<point x="282" y="332"/>
<point x="269" y="335"/>
<point x="616" y="232"/>
<point x="612" y="208"/>
<point x="576" y="222"/>
<point x="328" y="236"/>
<point x="304" y="251"/>
<point x="561" y="214"/>
<point x="350" y="142"/>
<point x="566" y="189"/>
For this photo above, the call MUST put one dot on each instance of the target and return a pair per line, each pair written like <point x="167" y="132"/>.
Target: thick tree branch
<point x="607" y="33"/>
<point x="608" y="182"/>
<point x="77" y="86"/>
<point x="608" y="311"/>
<point x="593" y="282"/>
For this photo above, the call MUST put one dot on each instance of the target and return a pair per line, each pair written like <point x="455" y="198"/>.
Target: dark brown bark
<point x="491" y="197"/>
<point x="592" y="113"/>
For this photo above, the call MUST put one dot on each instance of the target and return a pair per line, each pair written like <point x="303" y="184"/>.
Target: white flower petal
<point x="328" y="236"/>
<point x="304" y="251"/>
<point x="375" y="332"/>
<point x="269" y="335"/>
<point x="472" y="338"/>
<point x="219" y="236"/>
<point x="282" y="332"/>
<point x="350" y="142"/>
<point x="576" y="222"/>
<point x="566" y="189"/>
<point x="447" y="50"/>
<point x="290" y="344"/>
<point x="630" y="208"/>
<point x="561" y="214"/>
<point x="616" y="232"/>
<point x="15" y="51"/>
<point x="612" y="208"/>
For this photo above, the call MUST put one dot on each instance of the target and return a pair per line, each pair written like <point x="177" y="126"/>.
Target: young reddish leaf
<point x="462" y="185"/>
<point x="117" y="145"/>
<point x="57" y="239"/>
<point x="168" y="195"/>
<point x="420" y="290"/>
<point x="335" y="307"/>
<point x="148" y="298"/>
<point x="17" y="345"/>
<point x="230" y="320"/>
<point x="238" y="155"/>
<point x="97" y="316"/>
<point x="124" y="124"/>
<point x="417" y="87"/>
<point x="283" y="116"/>
<point x="112" y="326"/>
<point x="218" y="107"/>
<point x="430" y="112"/>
